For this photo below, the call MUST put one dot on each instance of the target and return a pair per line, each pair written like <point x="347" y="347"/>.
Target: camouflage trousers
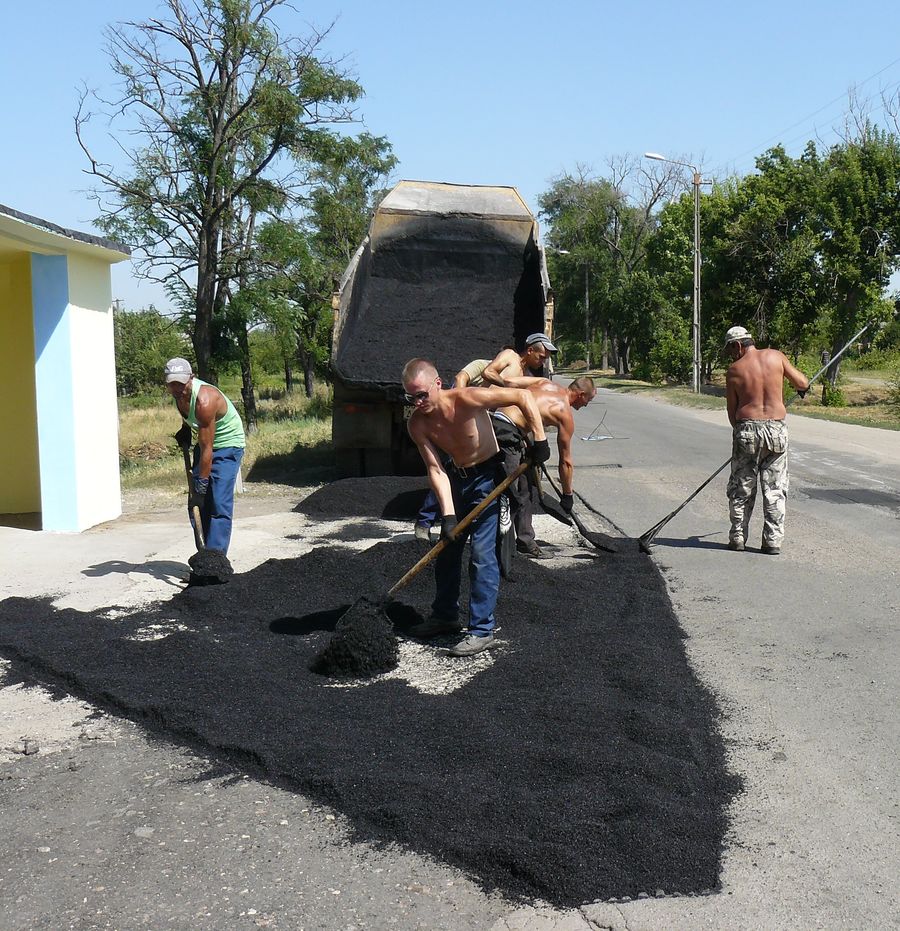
<point x="759" y="456"/>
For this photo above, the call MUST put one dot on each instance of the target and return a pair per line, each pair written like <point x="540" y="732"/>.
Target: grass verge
<point x="867" y="398"/>
<point x="292" y="445"/>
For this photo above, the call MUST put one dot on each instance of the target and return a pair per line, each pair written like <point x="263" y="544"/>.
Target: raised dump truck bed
<point x="447" y="272"/>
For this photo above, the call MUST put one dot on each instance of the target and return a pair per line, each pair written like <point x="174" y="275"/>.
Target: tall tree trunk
<point x="621" y="365"/>
<point x="288" y="376"/>
<point x="207" y="270"/>
<point x="604" y="359"/>
<point x="840" y="339"/>
<point x="248" y="391"/>
<point x="309" y="367"/>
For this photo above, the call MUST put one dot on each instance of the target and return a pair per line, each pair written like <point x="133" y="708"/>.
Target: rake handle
<point x="439" y="547"/>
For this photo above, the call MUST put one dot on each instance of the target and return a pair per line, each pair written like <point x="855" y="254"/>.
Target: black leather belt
<point x="489" y="465"/>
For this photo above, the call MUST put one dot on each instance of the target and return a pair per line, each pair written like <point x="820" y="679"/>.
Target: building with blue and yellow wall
<point x="57" y="374"/>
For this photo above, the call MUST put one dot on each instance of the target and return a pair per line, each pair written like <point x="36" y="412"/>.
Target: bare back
<point x="552" y="401"/>
<point x="507" y="364"/>
<point x="755" y="385"/>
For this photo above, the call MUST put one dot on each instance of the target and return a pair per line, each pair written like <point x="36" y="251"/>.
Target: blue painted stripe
<point x="54" y="382"/>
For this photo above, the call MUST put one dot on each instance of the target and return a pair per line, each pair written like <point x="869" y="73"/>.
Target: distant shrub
<point x="887" y="358"/>
<point x="832" y="395"/>
<point x="894" y="391"/>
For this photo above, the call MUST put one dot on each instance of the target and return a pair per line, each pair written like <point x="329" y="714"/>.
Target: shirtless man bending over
<point x="456" y="421"/>
<point x="755" y="401"/>
<point x="555" y="405"/>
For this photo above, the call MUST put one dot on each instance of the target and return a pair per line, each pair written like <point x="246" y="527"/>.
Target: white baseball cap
<point x="178" y="370"/>
<point x="736" y="333"/>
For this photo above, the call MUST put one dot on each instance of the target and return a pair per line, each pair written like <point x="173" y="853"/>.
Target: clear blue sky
<point x="492" y="92"/>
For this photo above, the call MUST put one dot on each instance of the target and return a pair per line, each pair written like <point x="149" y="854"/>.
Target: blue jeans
<point x="218" y="508"/>
<point x="428" y="513"/>
<point x="484" y="571"/>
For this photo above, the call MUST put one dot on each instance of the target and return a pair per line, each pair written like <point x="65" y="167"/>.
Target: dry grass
<point x="293" y="440"/>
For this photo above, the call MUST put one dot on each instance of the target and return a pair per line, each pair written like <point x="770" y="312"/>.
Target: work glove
<point x="538" y="452"/>
<point x="801" y="392"/>
<point x="448" y="525"/>
<point x="566" y="502"/>
<point x="183" y="436"/>
<point x="198" y="493"/>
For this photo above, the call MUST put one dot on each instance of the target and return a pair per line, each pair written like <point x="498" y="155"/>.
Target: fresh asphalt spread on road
<point x="583" y="763"/>
<point x="800" y="651"/>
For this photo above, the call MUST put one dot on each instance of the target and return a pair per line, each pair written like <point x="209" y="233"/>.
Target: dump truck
<point x="447" y="272"/>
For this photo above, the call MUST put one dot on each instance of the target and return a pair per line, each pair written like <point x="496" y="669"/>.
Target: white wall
<point x="94" y="391"/>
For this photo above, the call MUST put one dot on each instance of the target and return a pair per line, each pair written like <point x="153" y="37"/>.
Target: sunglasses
<point x="419" y="395"/>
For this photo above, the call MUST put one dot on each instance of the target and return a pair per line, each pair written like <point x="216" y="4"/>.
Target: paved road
<point x="803" y="650"/>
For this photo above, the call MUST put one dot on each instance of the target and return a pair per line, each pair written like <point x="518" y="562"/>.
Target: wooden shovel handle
<point x="194" y="511"/>
<point x="460" y="527"/>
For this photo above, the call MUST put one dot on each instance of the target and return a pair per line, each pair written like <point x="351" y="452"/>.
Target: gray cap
<point x="178" y="370"/>
<point x="736" y="333"/>
<point x="542" y="339"/>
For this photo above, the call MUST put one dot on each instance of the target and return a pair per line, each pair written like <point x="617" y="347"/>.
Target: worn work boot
<point x="736" y="545"/>
<point x="529" y="549"/>
<point x="770" y="550"/>
<point x="423" y="533"/>
<point x="435" y="627"/>
<point x="471" y="645"/>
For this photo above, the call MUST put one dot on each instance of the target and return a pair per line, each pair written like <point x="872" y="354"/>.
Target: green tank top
<point x="229" y="429"/>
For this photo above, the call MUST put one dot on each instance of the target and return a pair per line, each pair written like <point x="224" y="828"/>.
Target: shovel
<point x="363" y="606"/>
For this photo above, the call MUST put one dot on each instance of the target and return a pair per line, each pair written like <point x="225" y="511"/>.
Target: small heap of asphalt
<point x="383" y="497"/>
<point x="363" y="645"/>
<point x="583" y="762"/>
<point x="209" y="567"/>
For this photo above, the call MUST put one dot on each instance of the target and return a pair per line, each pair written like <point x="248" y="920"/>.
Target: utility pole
<point x="587" y="315"/>
<point x="695" y="325"/>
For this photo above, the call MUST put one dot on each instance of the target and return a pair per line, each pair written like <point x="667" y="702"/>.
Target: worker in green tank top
<point x="217" y="453"/>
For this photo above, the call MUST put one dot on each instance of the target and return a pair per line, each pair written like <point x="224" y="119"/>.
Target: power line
<point x="805" y="119"/>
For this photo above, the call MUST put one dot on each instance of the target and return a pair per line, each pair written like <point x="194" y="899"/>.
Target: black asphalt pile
<point x="209" y="567"/>
<point x="582" y="763"/>
<point x="382" y="497"/>
<point x="452" y="269"/>
<point x="364" y="643"/>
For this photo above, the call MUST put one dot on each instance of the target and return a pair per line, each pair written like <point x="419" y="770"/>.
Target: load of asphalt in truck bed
<point x="415" y="287"/>
<point x="581" y="763"/>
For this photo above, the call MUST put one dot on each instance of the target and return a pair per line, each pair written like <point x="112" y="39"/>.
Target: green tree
<point x="859" y="227"/>
<point x="232" y="118"/>
<point x="604" y="226"/>
<point x="144" y="341"/>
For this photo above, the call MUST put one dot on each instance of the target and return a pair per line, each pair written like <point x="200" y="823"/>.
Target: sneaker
<point x="471" y="645"/>
<point x="434" y="627"/>
<point x="770" y="550"/>
<point x="529" y="549"/>
<point x="736" y="545"/>
<point x="423" y="533"/>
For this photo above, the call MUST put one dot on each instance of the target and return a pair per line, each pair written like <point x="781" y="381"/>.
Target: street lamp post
<point x="695" y="328"/>
<point x="587" y="316"/>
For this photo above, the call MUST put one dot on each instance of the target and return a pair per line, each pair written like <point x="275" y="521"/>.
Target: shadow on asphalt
<point x="175" y="573"/>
